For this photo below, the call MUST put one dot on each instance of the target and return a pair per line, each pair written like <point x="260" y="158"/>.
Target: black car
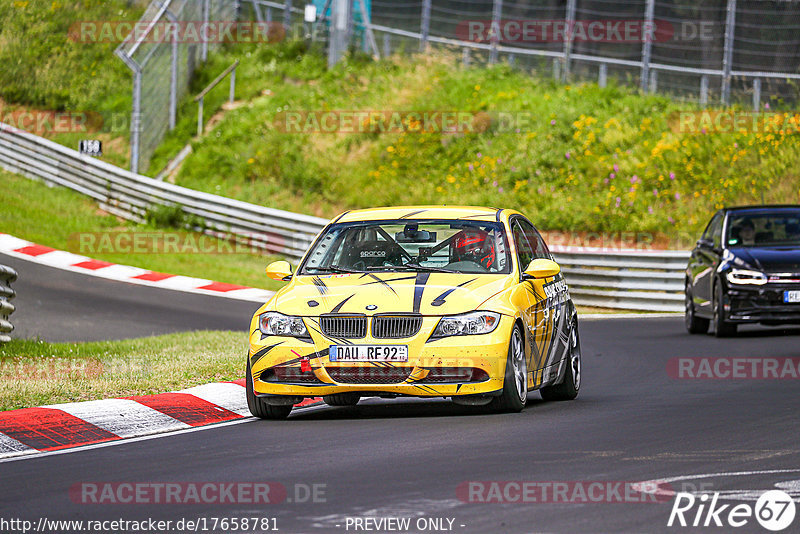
<point x="745" y="269"/>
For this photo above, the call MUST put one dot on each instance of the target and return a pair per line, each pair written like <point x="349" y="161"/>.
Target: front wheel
<point x="694" y="324"/>
<point x="569" y="387"/>
<point x="515" y="380"/>
<point x="258" y="407"/>
<point x="722" y="328"/>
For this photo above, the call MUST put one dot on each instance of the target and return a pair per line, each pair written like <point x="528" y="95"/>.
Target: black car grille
<point x="351" y="327"/>
<point x="395" y="327"/>
<point x="369" y="375"/>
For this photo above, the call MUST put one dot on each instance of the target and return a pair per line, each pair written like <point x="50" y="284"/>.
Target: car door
<point x="539" y="315"/>
<point x="703" y="263"/>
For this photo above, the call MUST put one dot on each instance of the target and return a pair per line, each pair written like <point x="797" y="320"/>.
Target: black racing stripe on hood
<point x="321" y="287"/>
<point x="438" y="301"/>
<point x="419" y="288"/>
<point x="262" y="352"/>
<point x="379" y="280"/>
<point x="339" y="306"/>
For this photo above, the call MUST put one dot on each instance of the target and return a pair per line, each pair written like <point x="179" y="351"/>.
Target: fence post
<point x="602" y="75"/>
<point x="570" y="17"/>
<point x="387" y="45"/>
<point x="647" y="45"/>
<point x="232" y="93"/>
<point x="136" y="120"/>
<point x="556" y="69"/>
<point x="200" y="118"/>
<point x="497" y="14"/>
<point x="173" y="78"/>
<point x="206" y="16"/>
<point x="653" y="81"/>
<point x="704" y="90"/>
<point x="757" y="94"/>
<point x="287" y="15"/>
<point x="465" y="56"/>
<point x="425" y="25"/>
<point x="341" y="15"/>
<point x="727" y="56"/>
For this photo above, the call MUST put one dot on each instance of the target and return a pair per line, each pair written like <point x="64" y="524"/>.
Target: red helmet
<point x="473" y="244"/>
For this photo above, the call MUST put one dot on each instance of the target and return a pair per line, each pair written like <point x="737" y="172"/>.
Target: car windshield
<point x="402" y="245"/>
<point x="764" y="229"/>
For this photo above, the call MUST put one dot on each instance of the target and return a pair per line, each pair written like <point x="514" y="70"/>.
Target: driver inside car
<point x="473" y="245"/>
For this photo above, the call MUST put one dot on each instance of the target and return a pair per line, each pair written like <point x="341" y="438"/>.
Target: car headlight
<point x="278" y="324"/>
<point x="746" y="276"/>
<point x="468" y="324"/>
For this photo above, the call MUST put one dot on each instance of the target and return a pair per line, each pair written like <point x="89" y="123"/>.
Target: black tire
<point x="722" y="328"/>
<point x="342" y="399"/>
<point x="258" y="407"/>
<point x="694" y="324"/>
<point x="571" y="384"/>
<point x="512" y="399"/>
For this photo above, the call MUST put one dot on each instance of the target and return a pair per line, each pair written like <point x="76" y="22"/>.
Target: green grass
<point x="56" y="217"/>
<point x="588" y="159"/>
<point x="34" y="373"/>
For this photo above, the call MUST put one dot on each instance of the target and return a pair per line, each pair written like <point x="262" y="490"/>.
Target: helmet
<point x="473" y="244"/>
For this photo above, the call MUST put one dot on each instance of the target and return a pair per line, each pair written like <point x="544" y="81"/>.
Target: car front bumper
<point x="445" y="367"/>
<point x="761" y="304"/>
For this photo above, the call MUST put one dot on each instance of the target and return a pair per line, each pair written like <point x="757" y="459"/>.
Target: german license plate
<point x="368" y="353"/>
<point x="791" y="296"/>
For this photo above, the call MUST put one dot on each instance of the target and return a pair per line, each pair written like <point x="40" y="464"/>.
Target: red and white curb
<point x="60" y="259"/>
<point x="63" y="426"/>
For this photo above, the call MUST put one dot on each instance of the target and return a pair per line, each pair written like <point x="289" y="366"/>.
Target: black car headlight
<point x="467" y="324"/>
<point x="746" y="276"/>
<point x="278" y="324"/>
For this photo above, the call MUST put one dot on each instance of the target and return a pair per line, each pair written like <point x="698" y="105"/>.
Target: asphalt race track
<point x="408" y="458"/>
<point x="59" y="305"/>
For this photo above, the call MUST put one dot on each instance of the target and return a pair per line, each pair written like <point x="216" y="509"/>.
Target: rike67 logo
<point x="774" y="510"/>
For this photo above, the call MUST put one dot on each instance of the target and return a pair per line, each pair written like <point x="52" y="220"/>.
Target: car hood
<point x="371" y="293"/>
<point x="770" y="259"/>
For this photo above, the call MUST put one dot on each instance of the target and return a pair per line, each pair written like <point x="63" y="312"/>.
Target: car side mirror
<point x="279" y="270"/>
<point x="541" y="268"/>
<point x="707" y="244"/>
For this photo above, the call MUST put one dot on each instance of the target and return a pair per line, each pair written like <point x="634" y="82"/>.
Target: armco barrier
<point x="7" y="276"/>
<point x="637" y="280"/>
<point x="130" y="195"/>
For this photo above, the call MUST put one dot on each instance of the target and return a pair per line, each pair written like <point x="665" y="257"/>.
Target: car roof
<point x="762" y="208"/>
<point x="424" y="212"/>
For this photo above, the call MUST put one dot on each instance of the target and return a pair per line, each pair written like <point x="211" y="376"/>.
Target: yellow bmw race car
<point x="427" y="301"/>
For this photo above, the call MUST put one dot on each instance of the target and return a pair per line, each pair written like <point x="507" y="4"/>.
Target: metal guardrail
<point x="625" y="279"/>
<point x="131" y="196"/>
<point x="7" y="276"/>
<point x="637" y="280"/>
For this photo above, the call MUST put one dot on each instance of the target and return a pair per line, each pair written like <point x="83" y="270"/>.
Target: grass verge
<point x="573" y="157"/>
<point x="35" y="373"/>
<point x="56" y="217"/>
